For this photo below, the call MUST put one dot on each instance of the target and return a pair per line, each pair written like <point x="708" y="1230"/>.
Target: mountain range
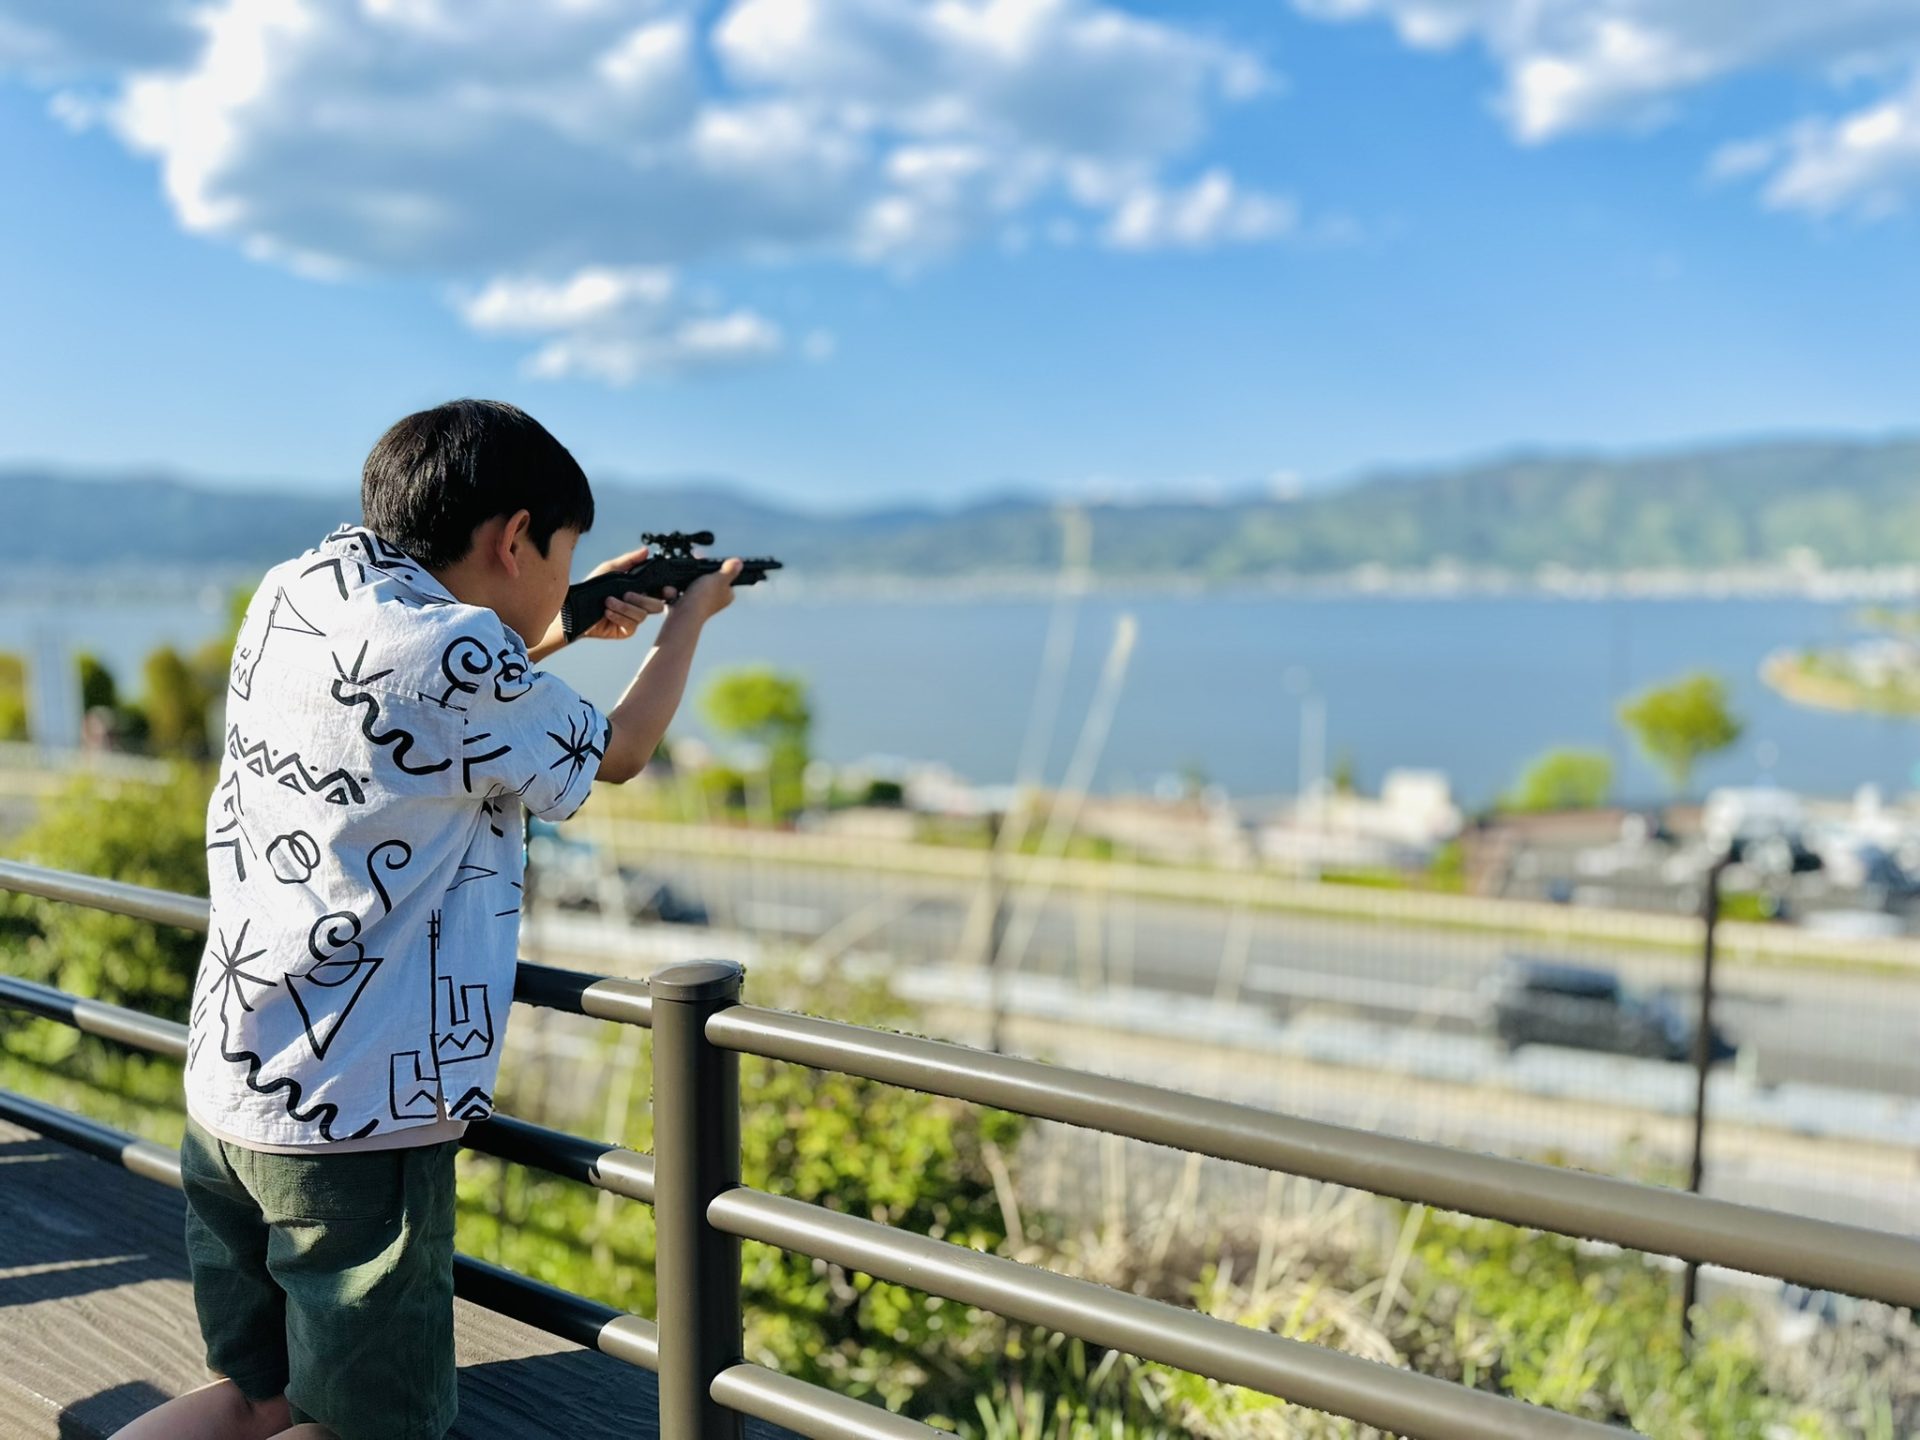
<point x="1848" y="502"/>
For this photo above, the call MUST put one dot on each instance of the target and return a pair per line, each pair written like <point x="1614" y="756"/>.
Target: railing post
<point x="696" y="1155"/>
<point x="1702" y="1067"/>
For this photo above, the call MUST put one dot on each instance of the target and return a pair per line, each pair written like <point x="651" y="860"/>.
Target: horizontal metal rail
<point x="808" y="1410"/>
<point x="143" y="1157"/>
<point x="605" y="1167"/>
<point x="1819" y="1254"/>
<point x="558" y="1312"/>
<point x="1401" y="1401"/>
<point x="626" y="1002"/>
<point x="133" y="1028"/>
<point x="141" y="902"/>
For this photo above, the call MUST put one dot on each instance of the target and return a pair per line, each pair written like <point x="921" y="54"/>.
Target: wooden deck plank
<point x="97" y="1317"/>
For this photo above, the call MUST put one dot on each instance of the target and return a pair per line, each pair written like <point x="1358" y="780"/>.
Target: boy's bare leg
<point x="217" y="1411"/>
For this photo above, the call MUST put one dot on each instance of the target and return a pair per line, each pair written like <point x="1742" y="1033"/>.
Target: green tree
<point x="98" y="689"/>
<point x="13" y="698"/>
<point x="1679" y="723"/>
<point x="176" y="706"/>
<point x="1563" y="779"/>
<point x="757" y="703"/>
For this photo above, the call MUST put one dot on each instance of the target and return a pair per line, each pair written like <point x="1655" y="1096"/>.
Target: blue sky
<point x="862" y="251"/>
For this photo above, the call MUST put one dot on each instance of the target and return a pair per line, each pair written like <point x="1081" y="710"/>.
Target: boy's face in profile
<point x="542" y="585"/>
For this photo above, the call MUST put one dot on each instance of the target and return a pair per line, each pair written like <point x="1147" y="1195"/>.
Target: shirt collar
<point x="356" y="542"/>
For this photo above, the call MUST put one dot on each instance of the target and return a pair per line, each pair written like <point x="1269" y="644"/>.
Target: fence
<point x="702" y="1211"/>
<point x="1359" y="1006"/>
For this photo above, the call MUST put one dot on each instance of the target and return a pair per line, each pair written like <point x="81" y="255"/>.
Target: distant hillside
<point x="1851" y="503"/>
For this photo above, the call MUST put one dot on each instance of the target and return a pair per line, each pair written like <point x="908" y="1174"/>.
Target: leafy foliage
<point x="98" y="689"/>
<point x="144" y="835"/>
<point x="13" y="697"/>
<point x="758" y="704"/>
<point x="1596" y="1335"/>
<point x="176" y="706"/>
<point x="1680" y="723"/>
<point x="1563" y="780"/>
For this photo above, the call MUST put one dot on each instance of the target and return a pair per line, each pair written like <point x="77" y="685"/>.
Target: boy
<point x="385" y="727"/>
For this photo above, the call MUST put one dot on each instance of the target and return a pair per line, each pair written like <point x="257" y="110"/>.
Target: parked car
<point x="1762" y="827"/>
<point x="1537" y="1002"/>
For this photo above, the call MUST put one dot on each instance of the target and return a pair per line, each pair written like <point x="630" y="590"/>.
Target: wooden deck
<point x="98" y="1323"/>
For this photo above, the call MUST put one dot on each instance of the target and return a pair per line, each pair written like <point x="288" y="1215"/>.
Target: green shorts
<point x="328" y="1278"/>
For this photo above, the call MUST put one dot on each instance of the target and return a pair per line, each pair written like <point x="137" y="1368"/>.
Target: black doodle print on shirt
<point x="494" y="805"/>
<point x="465" y="660"/>
<point x="513" y="678"/>
<point x="282" y="616"/>
<point x="467" y="762"/>
<point x="336" y="787"/>
<point x="401" y="740"/>
<point x="233" y="981"/>
<point x="365" y="549"/>
<point x="463" y="1023"/>
<point x="241" y="845"/>
<point x="576" y="746"/>
<point x="413" y="1086"/>
<point x="293" y="857"/>
<point x="363" y="545"/>
<point x="502" y="914"/>
<point x="375" y="864"/>
<point x="469" y="873"/>
<point x="234" y="976"/>
<point x="413" y="1089"/>
<point x="340" y="962"/>
<point x="476" y="1104"/>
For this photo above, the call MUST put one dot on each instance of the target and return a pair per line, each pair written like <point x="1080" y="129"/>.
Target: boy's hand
<point x="625" y="613"/>
<point x="710" y="594"/>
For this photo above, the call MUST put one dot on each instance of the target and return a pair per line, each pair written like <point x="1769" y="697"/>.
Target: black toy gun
<point x="672" y="566"/>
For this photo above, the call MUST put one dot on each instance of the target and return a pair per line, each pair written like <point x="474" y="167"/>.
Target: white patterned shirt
<point x="364" y="851"/>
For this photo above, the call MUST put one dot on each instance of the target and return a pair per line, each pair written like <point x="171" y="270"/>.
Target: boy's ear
<point x="513" y="535"/>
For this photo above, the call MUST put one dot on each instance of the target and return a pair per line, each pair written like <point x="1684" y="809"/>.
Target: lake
<point x="1473" y="686"/>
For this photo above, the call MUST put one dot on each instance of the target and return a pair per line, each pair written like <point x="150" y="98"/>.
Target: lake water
<point x="1472" y="686"/>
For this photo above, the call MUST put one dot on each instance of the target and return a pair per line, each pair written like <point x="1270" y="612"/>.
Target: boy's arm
<point x="641" y="718"/>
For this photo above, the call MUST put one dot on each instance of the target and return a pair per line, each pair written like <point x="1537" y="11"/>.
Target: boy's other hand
<point x="624" y="613"/>
<point x="710" y="594"/>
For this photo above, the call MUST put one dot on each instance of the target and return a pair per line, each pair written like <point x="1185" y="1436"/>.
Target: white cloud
<point x="460" y="140"/>
<point x="1867" y="161"/>
<point x="620" y="325"/>
<point x="1574" y="65"/>
<point x="1212" y="211"/>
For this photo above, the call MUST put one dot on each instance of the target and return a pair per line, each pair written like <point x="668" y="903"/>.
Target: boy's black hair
<point x="436" y="475"/>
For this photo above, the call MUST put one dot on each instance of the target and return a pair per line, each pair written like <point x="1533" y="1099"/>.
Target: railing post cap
<point x="690" y="980"/>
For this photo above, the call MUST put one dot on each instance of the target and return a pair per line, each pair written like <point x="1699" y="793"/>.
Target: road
<point x="1855" y="1031"/>
<point x="1830" y="1154"/>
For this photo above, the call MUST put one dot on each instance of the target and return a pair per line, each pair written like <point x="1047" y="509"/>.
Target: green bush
<point x="141" y="834"/>
<point x="1596" y="1334"/>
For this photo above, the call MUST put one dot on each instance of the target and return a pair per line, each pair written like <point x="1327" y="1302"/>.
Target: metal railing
<point x="702" y="1211"/>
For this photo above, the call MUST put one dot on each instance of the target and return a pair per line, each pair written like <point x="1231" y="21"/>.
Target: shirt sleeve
<point x="536" y="739"/>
